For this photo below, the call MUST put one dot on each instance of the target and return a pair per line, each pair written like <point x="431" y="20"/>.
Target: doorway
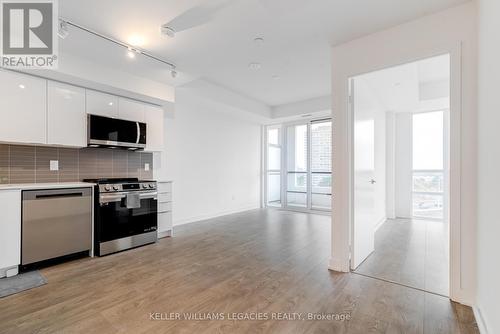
<point x="400" y="175"/>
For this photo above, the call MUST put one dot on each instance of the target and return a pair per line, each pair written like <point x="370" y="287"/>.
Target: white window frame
<point x="284" y="170"/>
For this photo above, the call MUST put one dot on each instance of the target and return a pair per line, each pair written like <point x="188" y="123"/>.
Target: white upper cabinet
<point x="67" y="120"/>
<point x="130" y="110"/>
<point x="23" y="108"/>
<point x="102" y="104"/>
<point x="153" y="117"/>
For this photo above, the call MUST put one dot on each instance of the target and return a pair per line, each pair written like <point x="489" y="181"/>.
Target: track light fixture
<point x="131" y="51"/>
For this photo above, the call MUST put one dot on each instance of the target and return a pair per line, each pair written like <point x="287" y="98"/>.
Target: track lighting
<point x="131" y="51"/>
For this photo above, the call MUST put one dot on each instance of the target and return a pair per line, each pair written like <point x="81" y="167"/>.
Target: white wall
<point x="212" y="153"/>
<point x="403" y="165"/>
<point x="390" y="156"/>
<point x="306" y="107"/>
<point x="380" y="166"/>
<point x="488" y="299"/>
<point x="451" y="31"/>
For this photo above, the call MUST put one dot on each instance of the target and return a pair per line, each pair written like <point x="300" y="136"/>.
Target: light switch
<point x="146" y="167"/>
<point x="54" y="165"/>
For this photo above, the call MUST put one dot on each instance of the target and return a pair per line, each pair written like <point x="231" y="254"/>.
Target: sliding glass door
<point x="273" y="168"/>
<point x="321" y="165"/>
<point x="299" y="164"/>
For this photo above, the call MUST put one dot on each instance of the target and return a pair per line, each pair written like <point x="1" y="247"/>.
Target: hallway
<point x="411" y="252"/>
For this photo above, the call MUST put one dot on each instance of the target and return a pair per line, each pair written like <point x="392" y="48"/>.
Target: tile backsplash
<point x="31" y="164"/>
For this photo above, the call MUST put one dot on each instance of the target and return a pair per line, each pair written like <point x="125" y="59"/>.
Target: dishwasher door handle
<point x="43" y="196"/>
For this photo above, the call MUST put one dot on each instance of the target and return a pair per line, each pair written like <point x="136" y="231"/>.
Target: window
<point x="428" y="165"/>
<point x="321" y="165"/>
<point x="299" y="159"/>
<point x="297" y="165"/>
<point x="273" y="168"/>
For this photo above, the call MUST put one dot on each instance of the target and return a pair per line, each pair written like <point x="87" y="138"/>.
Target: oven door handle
<point x="108" y="198"/>
<point x="111" y="198"/>
<point x="149" y="195"/>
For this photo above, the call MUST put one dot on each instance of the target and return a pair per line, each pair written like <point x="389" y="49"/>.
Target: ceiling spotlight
<point x="62" y="30"/>
<point x="131" y="53"/>
<point x="167" y="31"/>
<point x="173" y="73"/>
<point x="254" y="66"/>
<point x="259" y="40"/>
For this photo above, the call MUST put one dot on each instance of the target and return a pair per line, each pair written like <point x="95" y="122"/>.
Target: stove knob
<point x="115" y="188"/>
<point x="151" y="186"/>
<point x="144" y="186"/>
<point x="107" y="188"/>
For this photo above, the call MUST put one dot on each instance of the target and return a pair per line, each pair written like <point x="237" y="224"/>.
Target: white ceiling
<point x="215" y="38"/>
<point x="418" y="86"/>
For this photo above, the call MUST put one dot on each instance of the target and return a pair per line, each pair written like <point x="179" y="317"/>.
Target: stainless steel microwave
<point x="113" y="132"/>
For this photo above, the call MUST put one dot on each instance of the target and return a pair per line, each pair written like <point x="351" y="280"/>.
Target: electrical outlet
<point x="146" y="167"/>
<point x="54" y="165"/>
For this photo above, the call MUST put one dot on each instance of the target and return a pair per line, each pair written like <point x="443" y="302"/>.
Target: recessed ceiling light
<point x="110" y="103"/>
<point x="167" y="31"/>
<point x="254" y="66"/>
<point x="22" y="86"/>
<point x="259" y="40"/>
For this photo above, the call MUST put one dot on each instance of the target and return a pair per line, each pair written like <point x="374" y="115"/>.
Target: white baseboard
<point x="164" y="234"/>
<point x="215" y="215"/>
<point x="480" y="320"/>
<point x="340" y="265"/>
<point x="380" y="223"/>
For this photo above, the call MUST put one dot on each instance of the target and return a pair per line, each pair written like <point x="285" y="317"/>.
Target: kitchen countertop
<point x="33" y="186"/>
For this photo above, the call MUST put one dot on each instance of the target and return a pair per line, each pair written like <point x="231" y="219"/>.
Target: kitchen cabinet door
<point x="101" y="104"/>
<point x="164" y="224"/>
<point x="23" y="108"/>
<point x="153" y="117"/>
<point x="67" y="120"/>
<point x="10" y="231"/>
<point x="130" y="110"/>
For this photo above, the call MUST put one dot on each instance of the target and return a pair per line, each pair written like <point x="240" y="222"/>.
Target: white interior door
<point x="364" y="213"/>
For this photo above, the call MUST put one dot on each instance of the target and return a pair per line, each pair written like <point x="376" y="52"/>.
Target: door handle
<point x="372" y="181"/>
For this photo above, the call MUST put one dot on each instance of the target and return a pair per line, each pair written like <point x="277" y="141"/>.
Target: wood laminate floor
<point x="413" y="252"/>
<point x="265" y="261"/>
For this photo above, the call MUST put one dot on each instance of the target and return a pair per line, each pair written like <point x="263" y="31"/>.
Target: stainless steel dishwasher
<point x="55" y="223"/>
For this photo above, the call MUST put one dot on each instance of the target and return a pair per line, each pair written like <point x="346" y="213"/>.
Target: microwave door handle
<point x="138" y="133"/>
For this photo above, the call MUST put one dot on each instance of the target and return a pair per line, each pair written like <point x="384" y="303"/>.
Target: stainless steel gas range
<point x="125" y="214"/>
